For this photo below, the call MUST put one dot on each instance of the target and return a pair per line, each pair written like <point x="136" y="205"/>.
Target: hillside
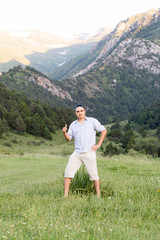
<point x="106" y="92"/>
<point x="21" y="114"/>
<point x="109" y="91"/>
<point x="121" y="73"/>
<point x="35" y="85"/>
<point x="135" y="40"/>
<point x="43" y="50"/>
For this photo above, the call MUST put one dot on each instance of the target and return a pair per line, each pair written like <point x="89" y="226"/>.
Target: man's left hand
<point x="95" y="147"/>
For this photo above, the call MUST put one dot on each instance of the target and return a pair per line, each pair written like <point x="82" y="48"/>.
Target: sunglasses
<point x="79" y="105"/>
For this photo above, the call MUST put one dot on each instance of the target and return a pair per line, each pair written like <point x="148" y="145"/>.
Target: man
<point x="83" y="130"/>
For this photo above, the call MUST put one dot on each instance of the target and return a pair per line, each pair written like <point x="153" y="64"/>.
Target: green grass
<point x="31" y="194"/>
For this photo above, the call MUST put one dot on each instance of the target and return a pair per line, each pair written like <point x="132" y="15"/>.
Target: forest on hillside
<point x="21" y="114"/>
<point x="141" y="132"/>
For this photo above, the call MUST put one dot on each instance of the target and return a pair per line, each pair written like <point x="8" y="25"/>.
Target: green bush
<point x="127" y="127"/>
<point x="148" y="148"/>
<point x="142" y="131"/>
<point x="115" y="135"/>
<point x="1" y="128"/>
<point x="110" y="150"/>
<point x="128" y="140"/>
<point x="158" y="133"/>
<point x="46" y="134"/>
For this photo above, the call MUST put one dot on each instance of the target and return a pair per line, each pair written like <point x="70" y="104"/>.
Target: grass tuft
<point x="81" y="183"/>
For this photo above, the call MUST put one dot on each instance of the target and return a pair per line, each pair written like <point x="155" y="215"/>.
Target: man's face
<point x="80" y="112"/>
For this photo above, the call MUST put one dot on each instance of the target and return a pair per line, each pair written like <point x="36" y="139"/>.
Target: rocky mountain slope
<point x="123" y="73"/>
<point x="35" y="85"/>
<point x="135" y="41"/>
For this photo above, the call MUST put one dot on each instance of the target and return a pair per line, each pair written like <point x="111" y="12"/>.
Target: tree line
<point x="123" y="138"/>
<point x="22" y="114"/>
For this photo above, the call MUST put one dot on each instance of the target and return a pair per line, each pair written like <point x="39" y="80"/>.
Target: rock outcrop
<point x="140" y="53"/>
<point x="50" y="87"/>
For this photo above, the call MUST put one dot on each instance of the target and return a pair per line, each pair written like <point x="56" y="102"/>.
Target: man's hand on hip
<point x="95" y="147"/>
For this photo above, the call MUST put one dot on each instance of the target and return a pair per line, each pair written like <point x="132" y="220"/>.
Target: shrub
<point x="19" y="124"/>
<point x="115" y="135"/>
<point x="142" y="131"/>
<point x="7" y="144"/>
<point x="127" y="127"/>
<point x="148" y="148"/>
<point x="46" y="134"/>
<point x="128" y="139"/>
<point x="158" y="133"/>
<point x="110" y="150"/>
<point x="1" y="128"/>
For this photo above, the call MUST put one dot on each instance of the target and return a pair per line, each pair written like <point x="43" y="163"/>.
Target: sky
<point x="68" y="17"/>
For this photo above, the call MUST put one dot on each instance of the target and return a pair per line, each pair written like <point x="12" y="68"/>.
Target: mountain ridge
<point x="124" y="30"/>
<point x="124" y="72"/>
<point x="19" y="47"/>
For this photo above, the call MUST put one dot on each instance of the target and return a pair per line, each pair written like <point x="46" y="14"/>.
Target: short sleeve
<point x="70" y="132"/>
<point x="97" y="125"/>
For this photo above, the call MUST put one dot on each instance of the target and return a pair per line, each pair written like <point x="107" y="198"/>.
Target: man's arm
<point x="64" y="130"/>
<point x="102" y="137"/>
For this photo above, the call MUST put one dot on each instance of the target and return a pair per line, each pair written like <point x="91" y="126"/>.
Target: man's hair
<point x="79" y="105"/>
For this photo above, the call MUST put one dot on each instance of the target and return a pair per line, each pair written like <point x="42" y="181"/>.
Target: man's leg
<point x="67" y="182"/>
<point x="73" y="165"/>
<point x="97" y="187"/>
<point x="90" y="162"/>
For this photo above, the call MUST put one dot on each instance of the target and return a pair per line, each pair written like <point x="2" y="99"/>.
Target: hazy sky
<point x="66" y="17"/>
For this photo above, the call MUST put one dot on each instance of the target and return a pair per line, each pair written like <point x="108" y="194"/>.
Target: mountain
<point x="135" y="41"/>
<point x="120" y="75"/>
<point x="42" y="50"/>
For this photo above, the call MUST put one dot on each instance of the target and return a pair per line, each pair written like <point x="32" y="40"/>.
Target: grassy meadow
<point x="31" y="194"/>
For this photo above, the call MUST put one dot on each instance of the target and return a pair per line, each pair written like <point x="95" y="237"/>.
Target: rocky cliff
<point x="50" y="87"/>
<point x="140" y="53"/>
<point x="127" y="43"/>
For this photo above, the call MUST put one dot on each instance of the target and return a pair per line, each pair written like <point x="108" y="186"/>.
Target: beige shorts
<point x="77" y="159"/>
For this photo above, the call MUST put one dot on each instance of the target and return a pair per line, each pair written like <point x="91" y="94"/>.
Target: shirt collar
<point x="86" y="118"/>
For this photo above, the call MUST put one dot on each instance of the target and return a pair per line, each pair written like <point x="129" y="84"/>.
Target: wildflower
<point x="158" y="190"/>
<point x="83" y="231"/>
<point x="111" y="230"/>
